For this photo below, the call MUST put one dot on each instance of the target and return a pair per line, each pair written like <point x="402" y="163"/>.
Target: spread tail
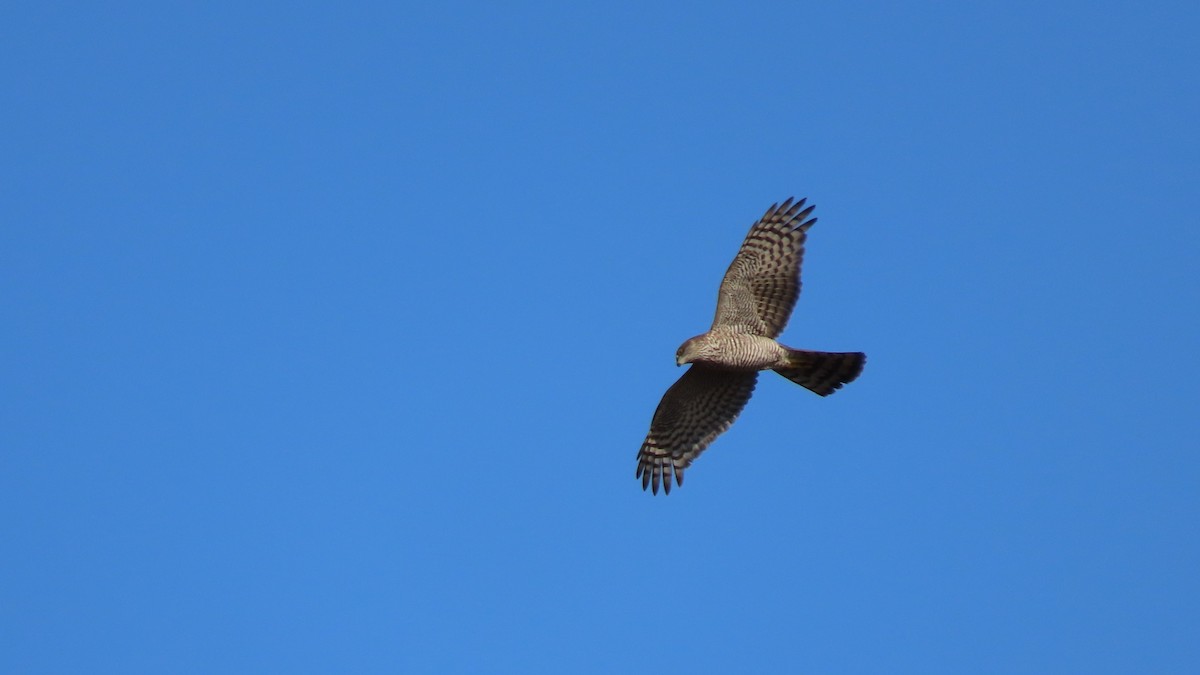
<point x="822" y="372"/>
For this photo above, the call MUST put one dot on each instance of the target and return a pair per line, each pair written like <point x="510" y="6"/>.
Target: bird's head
<point x="691" y="350"/>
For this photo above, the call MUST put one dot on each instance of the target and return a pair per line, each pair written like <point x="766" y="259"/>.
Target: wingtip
<point x="657" y="474"/>
<point x="792" y="209"/>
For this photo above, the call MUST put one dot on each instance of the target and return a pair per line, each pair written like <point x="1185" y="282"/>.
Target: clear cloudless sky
<point x="331" y="331"/>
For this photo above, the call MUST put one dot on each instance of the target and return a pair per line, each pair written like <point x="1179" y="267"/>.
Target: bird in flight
<point x="753" y="305"/>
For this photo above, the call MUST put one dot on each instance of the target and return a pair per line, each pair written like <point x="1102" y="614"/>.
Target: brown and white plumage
<point x="700" y="406"/>
<point x="763" y="281"/>
<point x="754" y="303"/>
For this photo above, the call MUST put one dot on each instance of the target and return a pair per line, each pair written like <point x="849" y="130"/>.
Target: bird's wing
<point x="700" y="406"/>
<point x="761" y="286"/>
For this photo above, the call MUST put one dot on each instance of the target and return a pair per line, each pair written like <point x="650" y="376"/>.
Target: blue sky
<point x="332" y="331"/>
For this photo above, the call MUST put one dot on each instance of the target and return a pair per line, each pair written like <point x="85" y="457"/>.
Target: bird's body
<point x="730" y="348"/>
<point x="753" y="306"/>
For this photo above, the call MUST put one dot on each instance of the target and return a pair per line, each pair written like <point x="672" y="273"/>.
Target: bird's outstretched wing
<point x="761" y="286"/>
<point x="700" y="406"/>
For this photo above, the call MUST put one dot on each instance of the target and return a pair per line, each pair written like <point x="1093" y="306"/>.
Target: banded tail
<point x="822" y="372"/>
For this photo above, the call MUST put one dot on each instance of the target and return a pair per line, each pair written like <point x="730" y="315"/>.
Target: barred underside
<point x="731" y="349"/>
<point x="700" y="406"/>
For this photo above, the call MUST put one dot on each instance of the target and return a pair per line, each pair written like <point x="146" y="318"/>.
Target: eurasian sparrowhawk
<point x="755" y="300"/>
